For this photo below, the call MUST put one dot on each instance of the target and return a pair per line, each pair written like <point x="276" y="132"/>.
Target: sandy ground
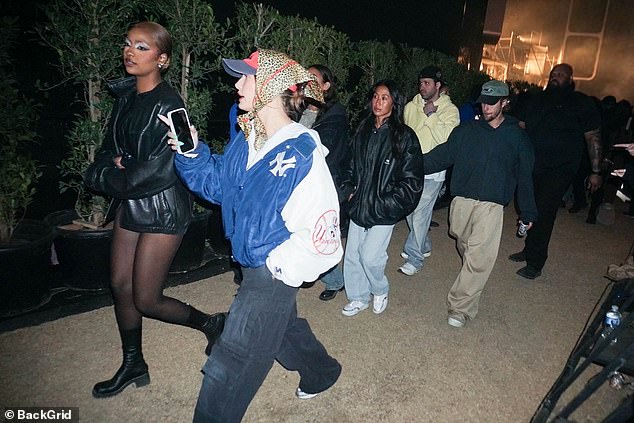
<point x="406" y="365"/>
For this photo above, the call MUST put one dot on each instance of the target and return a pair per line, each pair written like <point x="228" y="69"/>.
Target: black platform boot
<point x="133" y="370"/>
<point x="210" y="325"/>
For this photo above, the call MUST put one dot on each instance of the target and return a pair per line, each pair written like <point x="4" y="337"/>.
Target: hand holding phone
<point x="179" y="125"/>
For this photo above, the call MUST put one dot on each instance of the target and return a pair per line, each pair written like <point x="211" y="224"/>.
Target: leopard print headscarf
<point x="275" y="73"/>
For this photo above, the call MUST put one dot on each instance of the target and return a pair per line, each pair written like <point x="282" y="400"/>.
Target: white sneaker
<point x="409" y="269"/>
<point x="379" y="304"/>
<point x="406" y="256"/>
<point x="303" y="395"/>
<point x="456" y="320"/>
<point x="354" y="307"/>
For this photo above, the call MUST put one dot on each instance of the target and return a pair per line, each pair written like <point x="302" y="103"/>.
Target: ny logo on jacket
<point x="281" y="164"/>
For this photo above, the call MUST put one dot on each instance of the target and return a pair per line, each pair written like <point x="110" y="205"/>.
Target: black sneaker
<point x="518" y="257"/>
<point x="329" y="294"/>
<point x="529" y="272"/>
<point x="576" y="208"/>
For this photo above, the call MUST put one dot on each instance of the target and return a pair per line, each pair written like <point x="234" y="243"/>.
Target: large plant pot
<point x="191" y="253"/>
<point x="25" y="268"/>
<point x="83" y="254"/>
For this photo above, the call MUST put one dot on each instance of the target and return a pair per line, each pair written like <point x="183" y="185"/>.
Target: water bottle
<point x="616" y="380"/>
<point x="612" y="320"/>
<point x="521" y="229"/>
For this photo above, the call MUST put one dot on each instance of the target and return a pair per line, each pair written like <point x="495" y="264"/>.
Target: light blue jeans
<point x="333" y="279"/>
<point x="418" y="241"/>
<point x="365" y="260"/>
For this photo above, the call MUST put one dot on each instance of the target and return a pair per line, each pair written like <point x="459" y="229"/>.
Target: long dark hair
<point x="330" y="95"/>
<point x="295" y="101"/>
<point x="395" y="120"/>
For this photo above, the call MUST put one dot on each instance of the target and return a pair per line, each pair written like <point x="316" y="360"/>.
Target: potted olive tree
<point x="87" y="37"/>
<point x="24" y="244"/>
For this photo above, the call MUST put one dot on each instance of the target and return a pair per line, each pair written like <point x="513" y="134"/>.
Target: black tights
<point x="139" y="266"/>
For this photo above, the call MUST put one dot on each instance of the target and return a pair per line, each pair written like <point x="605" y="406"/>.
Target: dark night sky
<point x="432" y="24"/>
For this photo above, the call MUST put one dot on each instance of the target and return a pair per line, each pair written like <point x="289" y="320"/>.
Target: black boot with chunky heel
<point x="132" y="370"/>
<point x="210" y="325"/>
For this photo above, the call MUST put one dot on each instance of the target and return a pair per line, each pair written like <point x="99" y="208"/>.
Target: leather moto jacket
<point x="147" y="194"/>
<point x="386" y="189"/>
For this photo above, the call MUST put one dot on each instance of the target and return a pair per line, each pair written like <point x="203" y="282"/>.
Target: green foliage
<point x="84" y="139"/>
<point x="304" y="40"/>
<point x="376" y="60"/>
<point x="87" y="37"/>
<point x="199" y="43"/>
<point x="356" y="65"/>
<point x="18" y="173"/>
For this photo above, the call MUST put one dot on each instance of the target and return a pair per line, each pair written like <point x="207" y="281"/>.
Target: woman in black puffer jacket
<point x="151" y="208"/>
<point x="384" y="182"/>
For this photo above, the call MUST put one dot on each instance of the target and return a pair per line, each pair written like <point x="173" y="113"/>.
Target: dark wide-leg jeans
<point x="262" y="326"/>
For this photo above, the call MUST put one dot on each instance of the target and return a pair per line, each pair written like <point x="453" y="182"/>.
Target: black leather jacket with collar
<point x="148" y="194"/>
<point x="386" y="188"/>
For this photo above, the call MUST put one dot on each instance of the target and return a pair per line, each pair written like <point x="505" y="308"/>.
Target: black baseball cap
<point x="432" y="72"/>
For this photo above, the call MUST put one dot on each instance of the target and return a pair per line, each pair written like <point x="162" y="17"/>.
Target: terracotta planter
<point x="25" y="268"/>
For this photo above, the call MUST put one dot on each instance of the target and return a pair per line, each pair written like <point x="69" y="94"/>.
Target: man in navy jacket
<point x="491" y="158"/>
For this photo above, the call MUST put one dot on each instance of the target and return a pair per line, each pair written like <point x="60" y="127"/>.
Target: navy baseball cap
<point x="239" y="67"/>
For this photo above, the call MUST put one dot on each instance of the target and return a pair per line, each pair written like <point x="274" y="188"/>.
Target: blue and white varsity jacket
<point x="279" y="204"/>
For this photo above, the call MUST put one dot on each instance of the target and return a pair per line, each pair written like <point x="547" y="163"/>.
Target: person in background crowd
<point x="627" y="173"/>
<point x="615" y="118"/>
<point x="330" y="120"/>
<point x="152" y="209"/>
<point x="384" y="182"/>
<point x="432" y="116"/>
<point x="492" y="157"/>
<point x="559" y="121"/>
<point x="281" y="214"/>
<point x="471" y="110"/>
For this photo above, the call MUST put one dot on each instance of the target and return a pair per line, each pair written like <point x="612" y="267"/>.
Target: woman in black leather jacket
<point x="153" y="209"/>
<point x="384" y="182"/>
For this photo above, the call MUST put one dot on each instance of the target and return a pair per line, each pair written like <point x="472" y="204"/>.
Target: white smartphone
<point x="179" y="124"/>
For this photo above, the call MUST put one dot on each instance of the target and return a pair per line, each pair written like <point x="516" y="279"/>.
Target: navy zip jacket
<point x="489" y="163"/>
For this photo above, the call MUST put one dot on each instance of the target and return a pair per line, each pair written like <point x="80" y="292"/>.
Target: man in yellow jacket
<point x="432" y="115"/>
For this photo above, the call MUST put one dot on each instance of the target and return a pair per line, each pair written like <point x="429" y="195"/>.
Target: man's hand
<point x="594" y="182"/>
<point x="429" y="108"/>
